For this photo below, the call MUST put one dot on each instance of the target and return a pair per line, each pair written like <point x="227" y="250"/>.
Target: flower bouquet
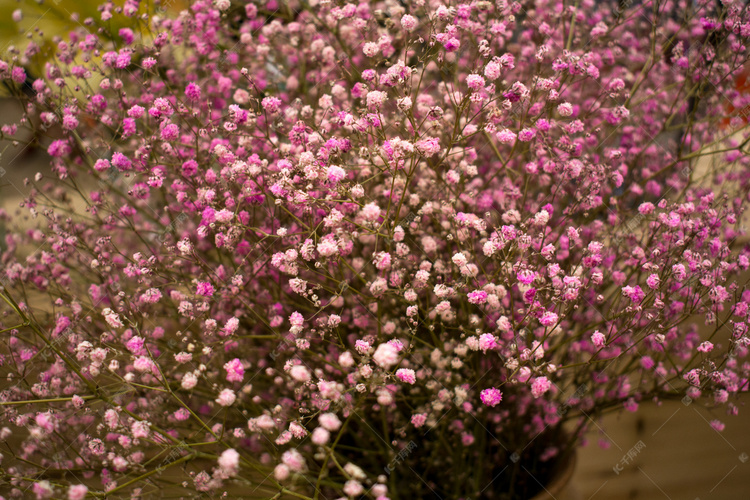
<point x="391" y="250"/>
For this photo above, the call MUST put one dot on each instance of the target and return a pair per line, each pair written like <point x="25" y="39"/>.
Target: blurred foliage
<point x="43" y="20"/>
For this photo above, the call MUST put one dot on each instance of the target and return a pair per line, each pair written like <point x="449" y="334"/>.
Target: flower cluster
<point x="319" y="232"/>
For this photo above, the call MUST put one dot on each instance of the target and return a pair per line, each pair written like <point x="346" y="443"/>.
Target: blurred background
<point x="671" y="450"/>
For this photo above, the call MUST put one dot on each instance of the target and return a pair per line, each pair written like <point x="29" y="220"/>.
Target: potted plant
<point x="316" y="249"/>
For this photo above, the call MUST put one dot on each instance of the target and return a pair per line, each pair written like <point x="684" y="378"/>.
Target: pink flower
<point x="634" y="293"/>
<point x="329" y="421"/>
<point x="140" y="429"/>
<point x="406" y="375"/>
<point x="193" y="91"/>
<point x="526" y="276"/>
<point x="428" y="147"/>
<point x="227" y="397"/>
<point x="42" y="489"/>
<point x="70" y="122"/>
<point x="526" y="134"/>
<point x="383" y="260"/>
<point x="18" y="75"/>
<point x="647" y="362"/>
<point x="353" y="488"/>
<point x="487" y="341"/>
<point x="539" y="386"/>
<point x="112" y="318"/>
<point x="409" y="23"/>
<point x="705" y="347"/>
<point x="679" y="272"/>
<point x="376" y="99"/>
<point x="693" y="377"/>
<point x="467" y="439"/>
<point x="452" y="44"/>
<point x="565" y="109"/>
<point x="102" y="165"/>
<point x="459" y="259"/>
<point x="506" y="136"/>
<point x="491" y="396"/>
<point x="477" y="297"/>
<point x="136" y="111"/>
<point x="59" y="148"/>
<point x="320" y="436"/>
<point x="123" y="59"/>
<point x="335" y="174"/>
<point x="474" y="82"/>
<point x="189" y="381"/>
<point x="230" y="327"/>
<point x="653" y="281"/>
<point x="386" y="355"/>
<point x="370" y="49"/>
<point x="272" y="105"/>
<point x="121" y="161"/>
<point x="362" y="346"/>
<point x="718" y="425"/>
<point x="170" y="132"/>
<point x="300" y="373"/>
<point x="598" y="339"/>
<point x="418" y="419"/>
<point x="281" y="472"/>
<point x="493" y="70"/>
<point x="229" y="462"/>
<point x="128" y="127"/>
<point x="297" y="321"/>
<point x="294" y="460"/>
<point x="646" y="208"/>
<point x="45" y="421"/>
<point x="371" y="212"/>
<point x="630" y="405"/>
<point x="127" y="35"/>
<point x="548" y="318"/>
<point x="378" y="287"/>
<point x="205" y="289"/>
<point x="135" y="344"/>
<point x="77" y="492"/>
<point x="235" y="370"/>
<point x="285" y="437"/>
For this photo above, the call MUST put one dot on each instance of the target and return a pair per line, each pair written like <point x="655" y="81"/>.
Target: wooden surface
<point x="682" y="456"/>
